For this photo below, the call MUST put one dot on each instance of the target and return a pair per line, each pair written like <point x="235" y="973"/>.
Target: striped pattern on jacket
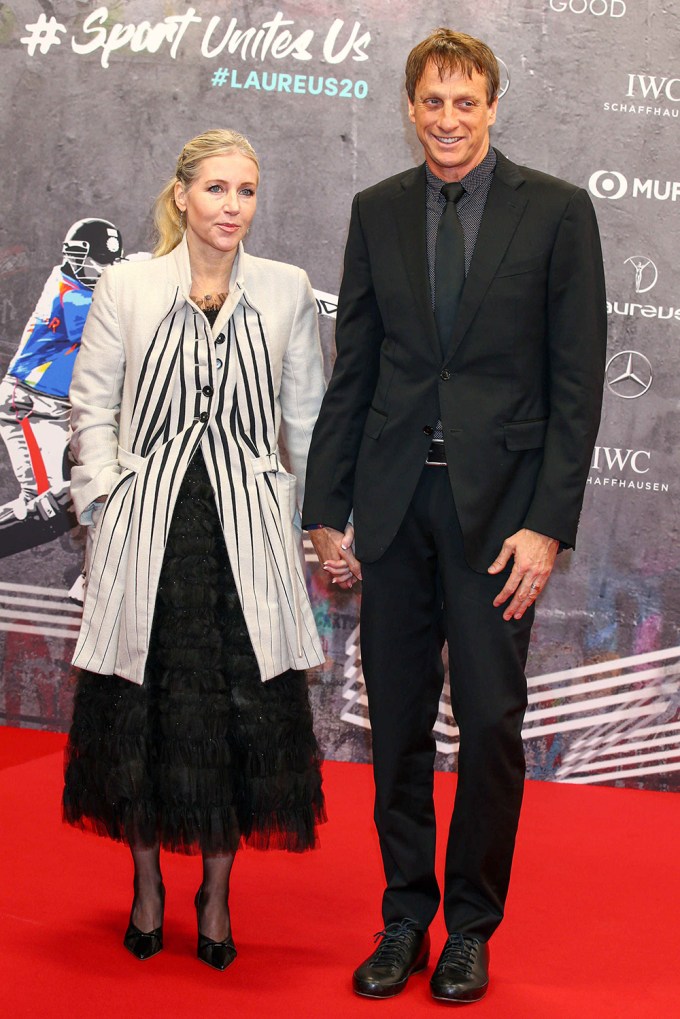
<point x="152" y="384"/>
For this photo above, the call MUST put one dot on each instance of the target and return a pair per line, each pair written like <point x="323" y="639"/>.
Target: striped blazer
<point x="153" y="383"/>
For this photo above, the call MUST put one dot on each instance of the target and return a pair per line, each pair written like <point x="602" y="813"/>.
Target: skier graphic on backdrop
<point x="34" y="405"/>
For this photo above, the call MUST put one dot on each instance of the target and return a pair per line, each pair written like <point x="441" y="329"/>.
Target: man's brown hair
<point x="451" y="53"/>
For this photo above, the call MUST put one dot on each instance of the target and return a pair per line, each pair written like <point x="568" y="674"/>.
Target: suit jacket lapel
<point x="409" y="210"/>
<point x="503" y="211"/>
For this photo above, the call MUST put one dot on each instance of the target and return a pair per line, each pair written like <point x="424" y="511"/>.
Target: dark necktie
<point x="449" y="264"/>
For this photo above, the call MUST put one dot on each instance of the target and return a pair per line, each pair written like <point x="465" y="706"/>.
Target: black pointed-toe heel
<point x="144" y="944"/>
<point x="218" y="954"/>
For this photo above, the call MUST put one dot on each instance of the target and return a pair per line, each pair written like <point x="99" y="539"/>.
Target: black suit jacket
<point x="518" y="390"/>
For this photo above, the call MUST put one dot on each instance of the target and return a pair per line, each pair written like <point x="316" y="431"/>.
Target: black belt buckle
<point x="436" y="454"/>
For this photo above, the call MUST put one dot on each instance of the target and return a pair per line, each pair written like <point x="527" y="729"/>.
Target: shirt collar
<point x="472" y="180"/>
<point x="238" y="270"/>
<point x="182" y="271"/>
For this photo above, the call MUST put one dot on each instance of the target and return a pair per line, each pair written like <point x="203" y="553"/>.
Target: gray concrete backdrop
<point x="593" y="96"/>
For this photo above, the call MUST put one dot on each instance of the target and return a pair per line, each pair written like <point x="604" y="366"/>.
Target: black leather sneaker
<point x="462" y="973"/>
<point x="404" y="949"/>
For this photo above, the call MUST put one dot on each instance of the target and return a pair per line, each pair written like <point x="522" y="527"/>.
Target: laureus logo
<point x="646" y="273"/>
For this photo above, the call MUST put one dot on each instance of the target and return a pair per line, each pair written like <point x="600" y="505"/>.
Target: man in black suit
<point x="458" y="426"/>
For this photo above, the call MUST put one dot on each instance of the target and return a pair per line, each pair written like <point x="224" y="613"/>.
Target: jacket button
<point x="207" y="390"/>
<point x="203" y="416"/>
<point x="219" y="363"/>
<point x="428" y="429"/>
<point x="445" y="375"/>
<point x="220" y="338"/>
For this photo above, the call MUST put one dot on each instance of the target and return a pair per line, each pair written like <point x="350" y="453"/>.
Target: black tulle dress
<point x="203" y="754"/>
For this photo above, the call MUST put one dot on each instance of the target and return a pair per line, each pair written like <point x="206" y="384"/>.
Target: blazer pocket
<point x="525" y="434"/>
<point x="375" y="422"/>
<point x="518" y="268"/>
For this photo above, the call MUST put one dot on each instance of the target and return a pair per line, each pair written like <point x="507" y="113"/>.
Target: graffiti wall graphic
<point x="97" y="101"/>
<point x="34" y="406"/>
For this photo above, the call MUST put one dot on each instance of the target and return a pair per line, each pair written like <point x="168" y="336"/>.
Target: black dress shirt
<point x="470" y="208"/>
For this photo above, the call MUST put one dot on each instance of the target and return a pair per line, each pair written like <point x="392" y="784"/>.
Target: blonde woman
<point x="192" y="728"/>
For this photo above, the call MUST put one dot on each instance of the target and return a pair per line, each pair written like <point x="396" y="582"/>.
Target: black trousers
<point x="420" y="592"/>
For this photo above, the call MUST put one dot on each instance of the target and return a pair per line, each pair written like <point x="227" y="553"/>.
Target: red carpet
<point x="591" y="930"/>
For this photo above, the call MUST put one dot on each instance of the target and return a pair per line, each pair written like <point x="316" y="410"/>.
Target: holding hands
<point x="334" y="550"/>
<point x="534" y="556"/>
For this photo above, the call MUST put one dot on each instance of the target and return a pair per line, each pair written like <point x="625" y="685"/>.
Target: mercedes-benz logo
<point x="628" y="374"/>
<point x="645" y="272"/>
<point x="504" y="83"/>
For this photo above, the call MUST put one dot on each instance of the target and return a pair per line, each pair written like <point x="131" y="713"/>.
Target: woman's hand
<point x="334" y="550"/>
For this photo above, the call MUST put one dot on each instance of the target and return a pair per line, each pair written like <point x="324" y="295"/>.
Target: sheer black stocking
<point x="213" y="908"/>
<point x="147" y="910"/>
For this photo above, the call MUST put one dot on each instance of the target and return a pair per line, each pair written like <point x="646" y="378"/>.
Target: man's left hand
<point x="534" y="556"/>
